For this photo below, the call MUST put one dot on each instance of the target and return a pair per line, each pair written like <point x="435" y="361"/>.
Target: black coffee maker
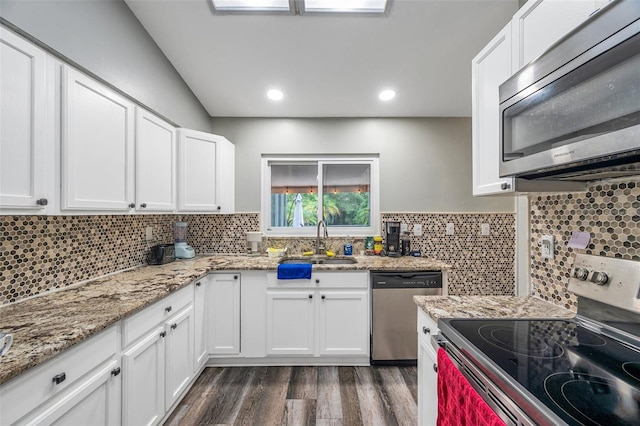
<point x="392" y="242"/>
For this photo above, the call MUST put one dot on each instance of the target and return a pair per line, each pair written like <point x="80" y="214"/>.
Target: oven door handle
<point x="438" y="341"/>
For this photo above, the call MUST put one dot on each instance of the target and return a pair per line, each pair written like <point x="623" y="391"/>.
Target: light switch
<point x="417" y="229"/>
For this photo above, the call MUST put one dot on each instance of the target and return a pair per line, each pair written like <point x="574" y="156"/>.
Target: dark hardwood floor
<point x="323" y="396"/>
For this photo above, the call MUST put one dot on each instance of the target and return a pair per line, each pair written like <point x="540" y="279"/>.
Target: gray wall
<point x="105" y="37"/>
<point x="425" y="163"/>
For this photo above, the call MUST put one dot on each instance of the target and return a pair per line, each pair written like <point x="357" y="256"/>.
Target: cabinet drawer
<point x="139" y="324"/>
<point x="26" y="392"/>
<point x="322" y="279"/>
<point x="426" y="325"/>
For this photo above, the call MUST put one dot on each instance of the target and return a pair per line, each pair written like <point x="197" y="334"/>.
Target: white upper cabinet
<point x="23" y="131"/>
<point x="155" y="163"/>
<point x="540" y="23"/>
<point x="490" y="68"/>
<point x="97" y="145"/>
<point x="205" y="172"/>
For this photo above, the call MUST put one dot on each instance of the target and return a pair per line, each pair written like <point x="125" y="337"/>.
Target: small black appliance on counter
<point x="392" y="245"/>
<point x="161" y="254"/>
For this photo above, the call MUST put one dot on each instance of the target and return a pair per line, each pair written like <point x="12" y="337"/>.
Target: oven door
<point x="583" y="115"/>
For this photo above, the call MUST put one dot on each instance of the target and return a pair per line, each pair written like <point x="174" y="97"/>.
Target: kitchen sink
<point x="320" y="260"/>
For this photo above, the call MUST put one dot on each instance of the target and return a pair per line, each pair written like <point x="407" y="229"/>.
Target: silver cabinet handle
<point x="324" y="297"/>
<point x="317" y="280"/>
<point x="42" y="202"/>
<point x="115" y="371"/>
<point x="132" y="205"/>
<point x="198" y="284"/>
<point x="168" y="309"/>
<point x="505" y="186"/>
<point x="235" y="277"/>
<point x="311" y="296"/>
<point x="426" y="330"/>
<point x="174" y="326"/>
<point x="435" y="367"/>
<point x="163" y="334"/>
<point x="143" y="205"/>
<point x="59" y="378"/>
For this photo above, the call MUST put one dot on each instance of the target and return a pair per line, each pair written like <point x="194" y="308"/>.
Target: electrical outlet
<point x="417" y="229"/>
<point x="485" y="229"/>
<point x="451" y="229"/>
<point x="404" y="228"/>
<point x="547" y="246"/>
<point x="149" y="233"/>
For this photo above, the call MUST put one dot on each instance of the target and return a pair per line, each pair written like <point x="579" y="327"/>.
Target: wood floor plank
<point x="196" y="399"/>
<point x="410" y="375"/>
<point x="375" y="404"/>
<point x="402" y="403"/>
<point x="330" y="422"/>
<point x="265" y="401"/>
<point x="299" y="412"/>
<point x="351" y="413"/>
<point x="223" y="407"/>
<point x="328" y="403"/>
<point x="304" y="383"/>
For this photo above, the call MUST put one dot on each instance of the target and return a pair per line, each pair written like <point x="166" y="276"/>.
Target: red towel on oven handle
<point x="458" y="402"/>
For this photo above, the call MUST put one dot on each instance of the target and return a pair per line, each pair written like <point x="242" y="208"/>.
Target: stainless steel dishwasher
<point x="394" y="314"/>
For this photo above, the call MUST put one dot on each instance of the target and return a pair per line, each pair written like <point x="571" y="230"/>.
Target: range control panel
<point x="606" y="279"/>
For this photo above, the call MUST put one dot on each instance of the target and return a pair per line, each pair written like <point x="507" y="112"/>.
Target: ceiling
<point x="327" y="65"/>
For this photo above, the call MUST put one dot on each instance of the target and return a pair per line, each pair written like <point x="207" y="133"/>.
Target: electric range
<point x="583" y="371"/>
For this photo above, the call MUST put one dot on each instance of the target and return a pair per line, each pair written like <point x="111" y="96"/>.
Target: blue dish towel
<point x="294" y="271"/>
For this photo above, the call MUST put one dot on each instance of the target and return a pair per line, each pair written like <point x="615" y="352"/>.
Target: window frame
<point x="320" y="160"/>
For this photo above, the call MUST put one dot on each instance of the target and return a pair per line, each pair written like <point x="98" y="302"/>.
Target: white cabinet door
<point x="198" y="183"/>
<point x="95" y="400"/>
<point x="344" y="325"/>
<point x="155" y="163"/>
<point x="23" y="102"/>
<point x="97" y="145"/>
<point x="143" y="378"/>
<point x="290" y="322"/>
<point x="223" y="312"/>
<point x="253" y="312"/>
<point x="490" y="68"/>
<point x="540" y="23"/>
<point x="179" y="354"/>
<point x="200" y="323"/>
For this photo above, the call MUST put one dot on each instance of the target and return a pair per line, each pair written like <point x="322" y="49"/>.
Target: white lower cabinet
<point x="200" y="353"/>
<point x="84" y="379"/>
<point x="291" y="322"/>
<point x="427" y="371"/>
<point x="143" y="383"/>
<point x="158" y="362"/>
<point x="223" y="314"/>
<point x="344" y="323"/>
<point x="327" y="315"/>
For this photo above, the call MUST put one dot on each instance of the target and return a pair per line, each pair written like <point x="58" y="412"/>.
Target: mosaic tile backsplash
<point x="609" y="211"/>
<point x="43" y="253"/>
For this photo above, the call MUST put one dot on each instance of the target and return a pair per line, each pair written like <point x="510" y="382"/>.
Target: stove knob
<point x="581" y="273"/>
<point x="599" y="278"/>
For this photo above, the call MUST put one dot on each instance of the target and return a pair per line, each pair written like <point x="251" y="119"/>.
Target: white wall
<point x="425" y="163"/>
<point x="105" y="37"/>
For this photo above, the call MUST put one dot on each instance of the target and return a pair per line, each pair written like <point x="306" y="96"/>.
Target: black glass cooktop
<point x="585" y="378"/>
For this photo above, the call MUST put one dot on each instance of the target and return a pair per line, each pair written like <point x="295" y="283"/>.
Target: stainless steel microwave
<point x="573" y="113"/>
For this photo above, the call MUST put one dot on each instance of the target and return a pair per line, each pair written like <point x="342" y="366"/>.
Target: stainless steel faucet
<point x="320" y="249"/>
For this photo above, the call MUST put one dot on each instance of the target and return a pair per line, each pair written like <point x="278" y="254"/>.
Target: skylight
<point x="298" y="7"/>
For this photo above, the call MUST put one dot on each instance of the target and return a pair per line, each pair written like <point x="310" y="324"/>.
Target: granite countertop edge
<point x="46" y="325"/>
<point x="529" y="307"/>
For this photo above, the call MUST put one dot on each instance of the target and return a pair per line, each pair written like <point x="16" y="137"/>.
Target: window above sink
<point x="298" y="192"/>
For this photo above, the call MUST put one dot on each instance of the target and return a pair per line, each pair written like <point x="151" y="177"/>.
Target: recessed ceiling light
<point x="387" y="95"/>
<point x="275" y="95"/>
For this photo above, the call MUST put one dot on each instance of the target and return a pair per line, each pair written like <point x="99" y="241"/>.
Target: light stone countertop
<point x="489" y="307"/>
<point x="46" y="325"/>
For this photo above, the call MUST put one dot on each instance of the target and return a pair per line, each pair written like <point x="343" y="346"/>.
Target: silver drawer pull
<point x="426" y="330"/>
